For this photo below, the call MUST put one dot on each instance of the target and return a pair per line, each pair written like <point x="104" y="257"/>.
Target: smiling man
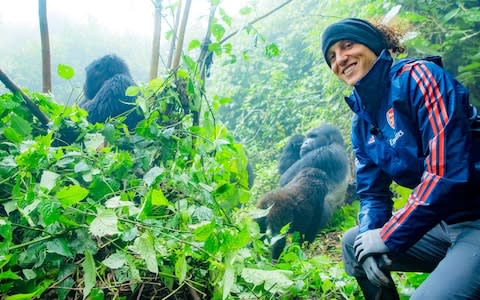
<point x="411" y="126"/>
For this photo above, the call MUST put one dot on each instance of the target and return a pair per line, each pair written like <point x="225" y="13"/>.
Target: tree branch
<point x="256" y="20"/>
<point x="30" y="104"/>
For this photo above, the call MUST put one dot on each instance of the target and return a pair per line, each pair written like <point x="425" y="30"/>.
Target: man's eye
<point x="331" y="57"/>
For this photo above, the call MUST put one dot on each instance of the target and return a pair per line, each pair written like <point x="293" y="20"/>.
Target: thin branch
<point x="256" y="20"/>
<point x="30" y="104"/>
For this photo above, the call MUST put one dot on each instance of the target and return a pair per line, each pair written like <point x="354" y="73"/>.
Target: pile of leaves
<point x="98" y="211"/>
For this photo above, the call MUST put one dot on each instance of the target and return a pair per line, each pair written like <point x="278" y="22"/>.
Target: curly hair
<point x="392" y="37"/>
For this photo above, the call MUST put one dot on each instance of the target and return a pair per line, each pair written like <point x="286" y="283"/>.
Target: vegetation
<point x="165" y="211"/>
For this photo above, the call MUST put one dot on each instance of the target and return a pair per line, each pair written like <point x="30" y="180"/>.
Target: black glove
<point x="369" y="243"/>
<point x="375" y="275"/>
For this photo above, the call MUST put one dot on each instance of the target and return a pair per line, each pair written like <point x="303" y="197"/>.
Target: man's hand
<point x="374" y="274"/>
<point x="369" y="243"/>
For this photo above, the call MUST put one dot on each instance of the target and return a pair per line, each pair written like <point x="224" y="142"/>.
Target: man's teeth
<point x="348" y="70"/>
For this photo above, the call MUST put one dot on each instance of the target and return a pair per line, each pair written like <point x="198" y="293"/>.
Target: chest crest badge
<point x="390" y="118"/>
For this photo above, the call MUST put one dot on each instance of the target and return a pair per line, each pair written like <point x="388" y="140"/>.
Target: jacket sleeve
<point x="373" y="188"/>
<point x="439" y="103"/>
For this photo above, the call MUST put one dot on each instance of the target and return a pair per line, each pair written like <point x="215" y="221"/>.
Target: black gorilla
<point x="107" y="79"/>
<point x="291" y="153"/>
<point x="313" y="185"/>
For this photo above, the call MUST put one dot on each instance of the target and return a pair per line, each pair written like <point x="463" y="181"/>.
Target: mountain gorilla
<point x="107" y="79"/>
<point x="312" y="185"/>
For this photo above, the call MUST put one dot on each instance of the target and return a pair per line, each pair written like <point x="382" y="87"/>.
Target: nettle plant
<point x="96" y="210"/>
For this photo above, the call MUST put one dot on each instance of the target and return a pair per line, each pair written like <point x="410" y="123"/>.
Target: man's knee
<point x="352" y="267"/>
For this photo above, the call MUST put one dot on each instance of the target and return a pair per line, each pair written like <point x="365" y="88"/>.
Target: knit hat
<point x="355" y="30"/>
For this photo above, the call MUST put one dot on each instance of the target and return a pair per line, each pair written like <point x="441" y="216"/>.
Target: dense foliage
<point x="166" y="210"/>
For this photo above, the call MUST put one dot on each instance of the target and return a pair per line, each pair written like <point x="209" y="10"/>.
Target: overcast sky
<point x="110" y="13"/>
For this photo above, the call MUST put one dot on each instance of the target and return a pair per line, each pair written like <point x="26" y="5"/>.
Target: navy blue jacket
<point x="412" y="126"/>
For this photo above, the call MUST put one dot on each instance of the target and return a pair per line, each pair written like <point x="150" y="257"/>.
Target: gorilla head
<point x="107" y="79"/>
<point x="321" y="136"/>
<point x="100" y="70"/>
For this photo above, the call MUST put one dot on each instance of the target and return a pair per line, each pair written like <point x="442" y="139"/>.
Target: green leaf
<point x="274" y="281"/>
<point x="132" y="91"/>
<point x="49" y="211"/>
<point x="97" y="294"/>
<point x="217" y="31"/>
<point x="71" y="195"/>
<point x="89" y="274"/>
<point x="152" y="174"/>
<point x="65" y="71"/>
<point x="39" y="289"/>
<point x="203" y="232"/>
<point x="228" y="275"/>
<point x="59" y="246"/>
<point x="48" y="179"/>
<point x="115" y="261"/>
<point x="20" y="125"/>
<point x="105" y="223"/>
<point x="9" y="275"/>
<point x="245" y="10"/>
<point x="144" y="246"/>
<point x="194" y="44"/>
<point x="272" y="50"/>
<point x="181" y="267"/>
<point x="158" y="198"/>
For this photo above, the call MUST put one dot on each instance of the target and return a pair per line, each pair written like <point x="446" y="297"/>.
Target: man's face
<point x="350" y="61"/>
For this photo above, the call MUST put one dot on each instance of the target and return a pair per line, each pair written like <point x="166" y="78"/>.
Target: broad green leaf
<point x="9" y="275"/>
<point x="144" y="246"/>
<point x="65" y="71"/>
<point x="194" y="44"/>
<point x="152" y="174"/>
<point x="49" y="211"/>
<point x="40" y="288"/>
<point x="105" y="223"/>
<point x="89" y="274"/>
<point x="274" y="280"/>
<point x="20" y="125"/>
<point x="158" y="198"/>
<point x="64" y="288"/>
<point x="132" y="91"/>
<point x="115" y="261"/>
<point x="228" y="275"/>
<point x="97" y="294"/>
<point x="217" y="31"/>
<point x="48" y="179"/>
<point x="71" y="195"/>
<point x="204" y="231"/>
<point x="59" y="246"/>
<point x="181" y="267"/>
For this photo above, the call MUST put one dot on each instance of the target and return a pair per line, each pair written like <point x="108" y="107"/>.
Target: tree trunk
<point x="46" y="66"/>
<point x="181" y="35"/>
<point x="174" y="37"/>
<point x="156" y="39"/>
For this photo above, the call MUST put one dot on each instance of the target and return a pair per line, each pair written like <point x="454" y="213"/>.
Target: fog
<point x="81" y="31"/>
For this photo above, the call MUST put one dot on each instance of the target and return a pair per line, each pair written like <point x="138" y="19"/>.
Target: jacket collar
<point x="369" y="92"/>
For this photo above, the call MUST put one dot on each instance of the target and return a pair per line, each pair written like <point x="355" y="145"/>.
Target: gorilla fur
<point x="312" y="185"/>
<point x="107" y="79"/>
<point x="299" y="203"/>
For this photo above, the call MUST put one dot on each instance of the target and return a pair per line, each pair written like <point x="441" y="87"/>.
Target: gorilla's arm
<point x="290" y="153"/>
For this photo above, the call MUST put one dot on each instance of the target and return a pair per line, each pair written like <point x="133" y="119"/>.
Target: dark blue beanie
<point x="355" y="30"/>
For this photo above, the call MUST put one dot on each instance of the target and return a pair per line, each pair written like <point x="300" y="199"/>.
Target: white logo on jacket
<point x="398" y="135"/>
